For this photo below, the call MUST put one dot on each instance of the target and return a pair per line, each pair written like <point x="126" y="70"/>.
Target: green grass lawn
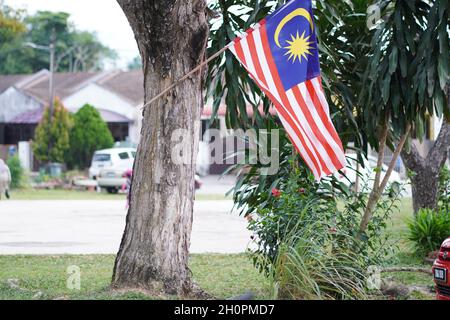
<point x="222" y="276"/>
<point x="404" y="255"/>
<point x="31" y="194"/>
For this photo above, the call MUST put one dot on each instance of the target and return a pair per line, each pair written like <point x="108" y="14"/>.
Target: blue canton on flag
<point x="293" y="43"/>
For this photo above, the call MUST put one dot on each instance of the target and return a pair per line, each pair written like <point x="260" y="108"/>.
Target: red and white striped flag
<point x="281" y="55"/>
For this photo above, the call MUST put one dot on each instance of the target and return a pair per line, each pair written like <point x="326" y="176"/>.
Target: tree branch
<point x="378" y="189"/>
<point x="413" y="159"/>
<point x="438" y="154"/>
<point x="383" y="140"/>
<point x="397" y="151"/>
<point x="373" y="198"/>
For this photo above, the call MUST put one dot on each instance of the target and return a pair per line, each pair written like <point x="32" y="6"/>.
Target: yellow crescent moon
<point x="298" y="12"/>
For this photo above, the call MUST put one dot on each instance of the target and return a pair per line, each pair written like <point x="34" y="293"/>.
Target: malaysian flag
<point x="281" y="55"/>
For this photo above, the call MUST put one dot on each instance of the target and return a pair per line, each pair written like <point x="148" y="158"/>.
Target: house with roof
<point x="117" y="95"/>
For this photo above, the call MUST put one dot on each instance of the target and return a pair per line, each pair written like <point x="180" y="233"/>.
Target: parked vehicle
<point x="119" y="159"/>
<point x="441" y="271"/>
<point x="113" y="180"/>
<point x="367" y="172"/>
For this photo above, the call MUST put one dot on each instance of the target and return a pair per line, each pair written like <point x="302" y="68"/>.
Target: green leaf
<point x="403" y="64"/>
<point x="431" y="72"/>
<point x="386" y="87"/>
<point x="393" y="60"/>
<point x="420" y="127"/>
<point x="438" y="102"/>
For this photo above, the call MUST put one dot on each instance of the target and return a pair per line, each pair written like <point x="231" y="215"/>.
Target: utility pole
<point x="51" y="48"/>
<point x="52" y="72"/>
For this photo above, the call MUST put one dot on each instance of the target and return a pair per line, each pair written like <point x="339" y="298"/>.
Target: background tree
<point x="434" y="55"/>
<point x="425" y="170"/>
<point x="86" y="53"/>
<point x="89" y="133"/>
<point x="135" y="64"/>
<point x="406" y="81"/>
<point x="51" y="141"/>
<point x="171" y="37"/>
<point x="12" y="32"/>
<point x="75" y="50"/>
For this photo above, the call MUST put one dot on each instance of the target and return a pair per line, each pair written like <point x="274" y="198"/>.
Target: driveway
<point x="95" y="227"/>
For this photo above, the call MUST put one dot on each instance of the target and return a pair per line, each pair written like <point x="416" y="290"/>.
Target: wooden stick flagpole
<point x="186" y="76"/>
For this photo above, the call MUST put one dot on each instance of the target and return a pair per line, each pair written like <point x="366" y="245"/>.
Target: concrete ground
<point x="91" y="227"/>
<point x="216" y="185"/>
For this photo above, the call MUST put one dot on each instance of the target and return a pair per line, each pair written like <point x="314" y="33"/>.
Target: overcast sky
<point x="105" y="17"/>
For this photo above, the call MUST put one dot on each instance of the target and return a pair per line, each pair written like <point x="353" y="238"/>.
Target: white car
<point x="110" y="167"/>
<point x="117" y="159"/>
<point x="367" y="173"/>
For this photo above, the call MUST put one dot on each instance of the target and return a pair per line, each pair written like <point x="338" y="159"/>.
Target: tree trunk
<point x="171" y="36"/>
<point x="425" y="179"/>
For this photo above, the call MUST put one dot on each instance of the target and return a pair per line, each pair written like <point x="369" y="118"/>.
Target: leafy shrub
<point x="52" y="135"/>
<point x="306" y="233"/>
<point x="89" y="133"/>
<point x="429" y="229"/>
<point x="16" y="171"/>
<point x="444" y="189"/>
<point x="310" y="265"/>
<point x="283" y="208"/>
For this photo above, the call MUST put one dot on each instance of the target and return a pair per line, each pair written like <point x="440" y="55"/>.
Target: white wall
<point x="437" y="125"/>
<point x="100" y="98"/>
<point x="13" y="103"/>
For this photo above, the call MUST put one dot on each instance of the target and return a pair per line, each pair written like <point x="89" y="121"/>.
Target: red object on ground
<point x="441" y="272"/>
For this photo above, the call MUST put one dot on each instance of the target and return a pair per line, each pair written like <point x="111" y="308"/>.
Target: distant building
<point x="117" y="95"/>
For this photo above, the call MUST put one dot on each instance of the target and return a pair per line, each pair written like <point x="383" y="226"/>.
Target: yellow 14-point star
<point x="299" y="47"/>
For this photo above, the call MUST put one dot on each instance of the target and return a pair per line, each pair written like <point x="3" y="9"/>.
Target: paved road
<point x="90" y="227"/>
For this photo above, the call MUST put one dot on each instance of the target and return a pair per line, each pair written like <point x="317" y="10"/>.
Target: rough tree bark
<point x="425" y="181"/>
<point x="153" y="256"/>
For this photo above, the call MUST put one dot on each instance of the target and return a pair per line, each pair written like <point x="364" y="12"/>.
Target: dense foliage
<point x="306" y="235"/>
<point x="51" y="141"/>
<point x="408" y="72"/>
<point x="89" y="133"/>
<point x="429" y="229"/>
<point x="16" y="170"/>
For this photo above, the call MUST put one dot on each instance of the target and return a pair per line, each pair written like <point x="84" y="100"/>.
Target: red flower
<point x="276" y="193"/>
<point x="301" y="190"/>
<point x="332" y="230"/>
